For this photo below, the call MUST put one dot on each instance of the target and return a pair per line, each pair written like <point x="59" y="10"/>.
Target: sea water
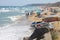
<point x="13" y="23"/>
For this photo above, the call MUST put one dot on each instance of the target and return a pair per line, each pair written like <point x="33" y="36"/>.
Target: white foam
<point x="15" y="32"/>
<point x="4" y="10"/>
<point x="14" y="18"/>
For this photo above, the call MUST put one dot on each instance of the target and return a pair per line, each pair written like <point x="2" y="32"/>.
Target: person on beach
<point x="39" y="31"/>
<point x="27" y="14"/>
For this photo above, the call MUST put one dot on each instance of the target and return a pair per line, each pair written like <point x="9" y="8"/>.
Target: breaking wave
<point x="16" y="31"/>
<point x="4" y="10"/>
<point x="18" y="27"/>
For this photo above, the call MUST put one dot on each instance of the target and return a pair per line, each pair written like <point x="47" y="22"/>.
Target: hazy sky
<point x="24" y="2"/>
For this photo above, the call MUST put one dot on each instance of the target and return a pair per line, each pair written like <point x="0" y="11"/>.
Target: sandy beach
<point x="56" y="24"/>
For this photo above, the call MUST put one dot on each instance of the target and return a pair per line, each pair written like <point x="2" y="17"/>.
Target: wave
<point x="15" y="31"/>
<point x="4" y="10"/>
<point x="9" y="9"/>
<point x="15" y="18"/>
<point x="18" y="10"/>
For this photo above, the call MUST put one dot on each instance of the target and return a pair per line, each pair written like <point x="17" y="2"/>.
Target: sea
<point x="13" y="23"/>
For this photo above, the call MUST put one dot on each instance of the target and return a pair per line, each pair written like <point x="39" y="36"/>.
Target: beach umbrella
<point x="52" y="18"/>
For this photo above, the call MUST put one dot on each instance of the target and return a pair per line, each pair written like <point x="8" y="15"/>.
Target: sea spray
<point x="16" y="31"/>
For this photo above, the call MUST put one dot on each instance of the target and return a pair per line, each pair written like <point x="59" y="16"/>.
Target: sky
<point x="24" y="2"/>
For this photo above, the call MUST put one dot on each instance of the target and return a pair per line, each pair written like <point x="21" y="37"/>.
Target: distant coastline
<point x="38" y="4"/>
<point x="48" y="4"/>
